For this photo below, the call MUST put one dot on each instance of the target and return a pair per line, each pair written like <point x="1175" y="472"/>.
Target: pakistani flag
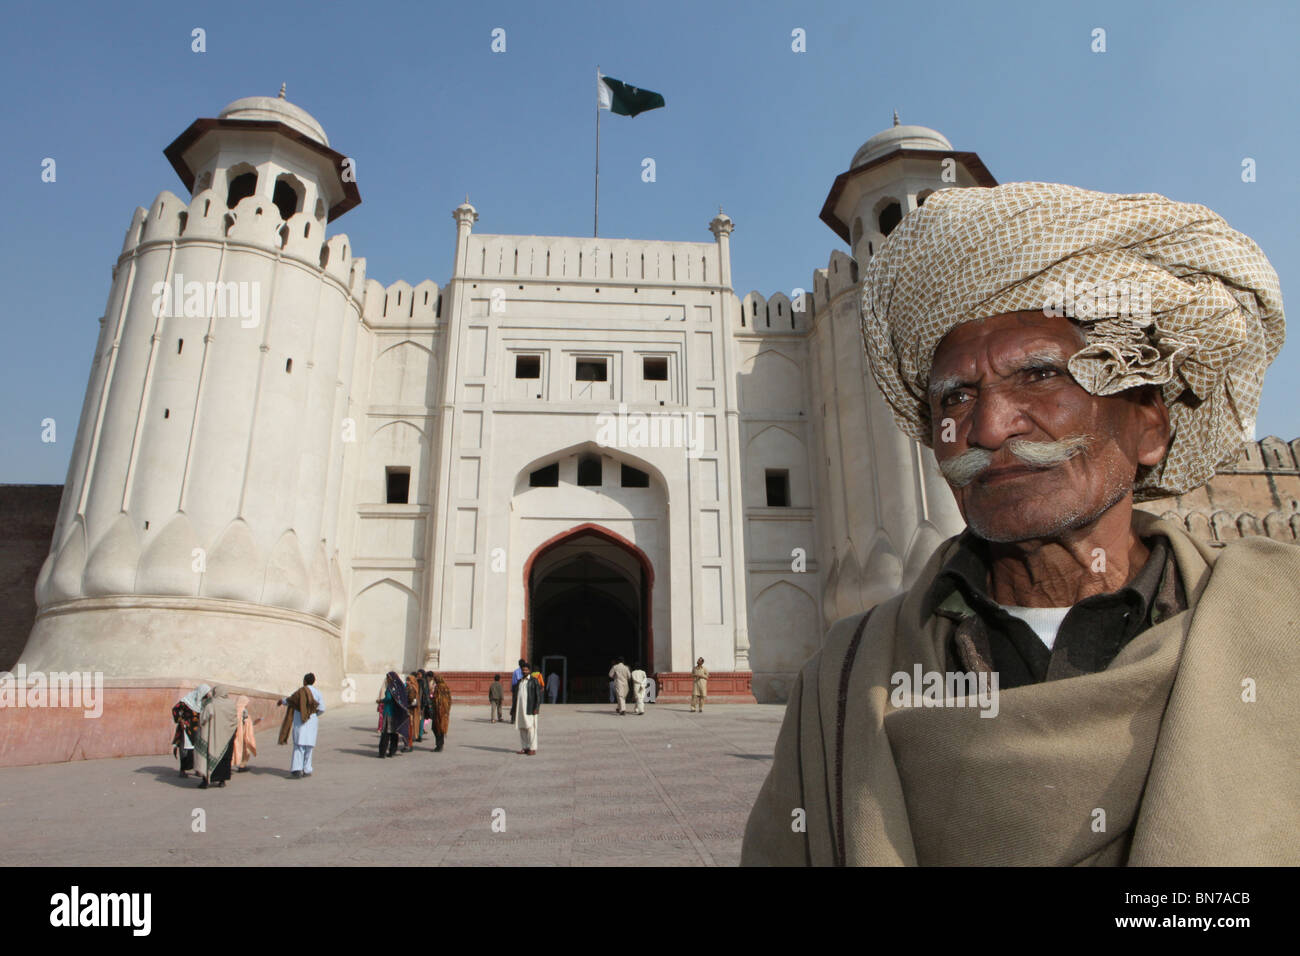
<point x="617" y="97"/>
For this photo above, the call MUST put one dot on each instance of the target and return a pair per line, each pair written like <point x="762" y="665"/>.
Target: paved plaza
<point x="670" y="788"/>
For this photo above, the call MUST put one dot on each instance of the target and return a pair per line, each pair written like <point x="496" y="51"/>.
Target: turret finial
<point x="282" y="86"/>
<point x="895" y="117"/>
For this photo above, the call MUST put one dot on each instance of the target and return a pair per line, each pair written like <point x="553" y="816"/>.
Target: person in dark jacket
<point x="528" y="709"/>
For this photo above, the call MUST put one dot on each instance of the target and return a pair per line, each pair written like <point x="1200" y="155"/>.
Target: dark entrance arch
<point x="588" y="608"/>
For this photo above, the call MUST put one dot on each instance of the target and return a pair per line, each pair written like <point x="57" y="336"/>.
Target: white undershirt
<point x="1045" y="621"/>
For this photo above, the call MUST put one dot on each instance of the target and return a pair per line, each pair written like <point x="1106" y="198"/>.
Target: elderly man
<point x="1064" y="353"/>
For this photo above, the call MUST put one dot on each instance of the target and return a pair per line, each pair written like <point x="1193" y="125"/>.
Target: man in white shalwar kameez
<point x="528" y="710"/>
<point x="304" y="731"/>
<point x="620" y="675"/>
<point x="638" y="689"/>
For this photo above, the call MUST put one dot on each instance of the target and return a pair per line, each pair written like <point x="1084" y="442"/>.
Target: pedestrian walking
<point x="495" y="697"/>
<point x="620" y="675"/>
<point x="552" y="686"/>
<point x="638" y="688"/>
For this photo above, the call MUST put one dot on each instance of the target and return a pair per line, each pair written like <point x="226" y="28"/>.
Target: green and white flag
<point x="617" y="97"/>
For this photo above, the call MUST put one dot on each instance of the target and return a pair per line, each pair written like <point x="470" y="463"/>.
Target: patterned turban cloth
<point x="1165" y="293"/>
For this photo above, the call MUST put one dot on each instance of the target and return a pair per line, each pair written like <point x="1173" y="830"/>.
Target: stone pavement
<point x="670" y="788"/>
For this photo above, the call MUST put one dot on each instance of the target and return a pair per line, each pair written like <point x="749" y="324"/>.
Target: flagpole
<point x="595" y="228"/>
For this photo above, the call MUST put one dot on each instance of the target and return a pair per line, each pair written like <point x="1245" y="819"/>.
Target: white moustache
<point x="962" y="469"/>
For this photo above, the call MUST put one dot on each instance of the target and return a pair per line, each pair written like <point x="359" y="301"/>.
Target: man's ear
<point x="1151" y="418"/>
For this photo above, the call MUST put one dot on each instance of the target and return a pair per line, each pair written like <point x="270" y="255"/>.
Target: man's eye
<point x="955" y="398"/>
<point x="1039" y="374"/>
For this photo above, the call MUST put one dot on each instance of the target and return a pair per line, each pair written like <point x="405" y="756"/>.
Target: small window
<point x="635" y="478"/>
<point x="528" y="366"/>
<point x="288" y="365"/>
<point x="285" y="197"/>
<point x="589" y="471"/>
<point x="167" y="413"/>
<point x="591" y="370"/>
<point x="548" y="477"/>
<point x="890" y="217"/>
<point x="778" y="488"/>
<point x="180" y="345"/>
<point x="655" y="369"/>
<point x="241" y="187"/>
<point x="399" y="485"/>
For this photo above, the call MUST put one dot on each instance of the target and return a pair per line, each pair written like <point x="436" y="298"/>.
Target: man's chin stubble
<point x="1070" y="519"/>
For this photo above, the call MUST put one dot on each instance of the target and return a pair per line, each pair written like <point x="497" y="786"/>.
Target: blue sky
<point x="414" y="93"/>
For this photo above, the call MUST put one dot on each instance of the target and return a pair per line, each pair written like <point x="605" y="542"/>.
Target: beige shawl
<point x="217" y="725"/>
<point x="1181" y="752"/>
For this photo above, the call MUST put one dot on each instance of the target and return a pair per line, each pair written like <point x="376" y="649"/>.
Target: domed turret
<point x="266" y="146"/>
<point x="899" y="137"/>
<point x="271" y="109"/>
<point x="891" y="174"/>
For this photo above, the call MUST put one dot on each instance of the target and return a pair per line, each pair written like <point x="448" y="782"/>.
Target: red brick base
<point x="136" y="719"/>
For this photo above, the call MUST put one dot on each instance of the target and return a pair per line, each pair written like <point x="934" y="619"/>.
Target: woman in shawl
<point x="186" y="715"/>
<point x="413" y="699"/>
<point x="214" y="744"/>
<point x="245" y="742"/>
<point x="441" y="710"/>
<point x="394" y="713"/>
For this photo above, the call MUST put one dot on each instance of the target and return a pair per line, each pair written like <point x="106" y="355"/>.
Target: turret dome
<point x="899" y="137"/>
<point x="276" y="110"/>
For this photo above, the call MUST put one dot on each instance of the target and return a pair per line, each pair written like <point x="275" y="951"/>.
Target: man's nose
<point x="998" y="416"/>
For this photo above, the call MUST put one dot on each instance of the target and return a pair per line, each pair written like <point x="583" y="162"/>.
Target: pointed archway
<point x="588" y="599"/>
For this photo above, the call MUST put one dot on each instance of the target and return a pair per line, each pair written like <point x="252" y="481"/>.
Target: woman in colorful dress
<point x="441" y="710"/>
<point x="245" y="740"/>
<point x="413" y="702"/>
<point x="394" y="713"/>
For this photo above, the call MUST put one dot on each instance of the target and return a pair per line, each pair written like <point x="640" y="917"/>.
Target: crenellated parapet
<point x="626" y="261"/>
<point x="253" y="225"/>
<point x="401" y="305"/>
<point x="1222" y="527"/>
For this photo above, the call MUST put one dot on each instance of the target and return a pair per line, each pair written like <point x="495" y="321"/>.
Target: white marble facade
<point x="359" y="477"/>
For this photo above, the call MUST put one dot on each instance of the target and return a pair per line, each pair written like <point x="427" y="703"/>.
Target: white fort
<point x="573" y="449"/>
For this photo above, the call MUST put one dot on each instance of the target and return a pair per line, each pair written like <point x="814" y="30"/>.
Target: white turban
<point x="1166" y="294"/>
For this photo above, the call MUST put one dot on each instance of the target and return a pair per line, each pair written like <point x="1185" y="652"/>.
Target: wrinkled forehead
<point x="1008" y="338"/>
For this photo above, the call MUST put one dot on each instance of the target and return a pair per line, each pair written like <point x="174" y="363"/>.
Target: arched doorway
<point x="588" y="600"/>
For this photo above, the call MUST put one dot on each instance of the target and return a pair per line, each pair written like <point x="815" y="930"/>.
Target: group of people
<point x="215" y="734"/>
<point x="645" y="695"/>
<point x="623" y="682"/>
<point x="406" y="707"/>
